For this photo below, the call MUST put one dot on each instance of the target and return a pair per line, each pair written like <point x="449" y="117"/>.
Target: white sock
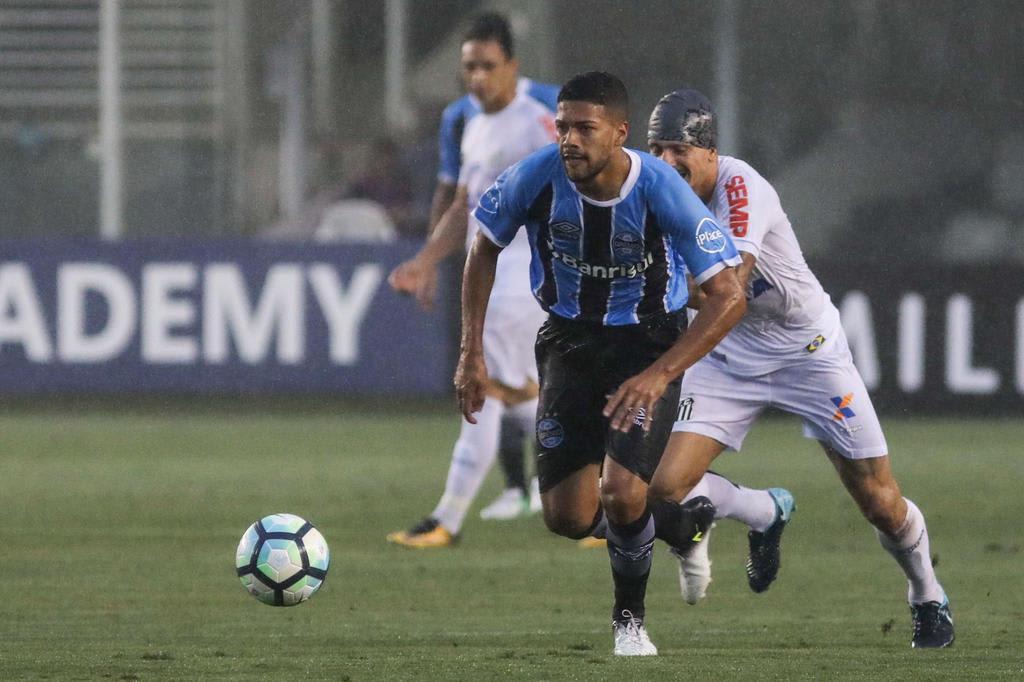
<point x="911" y="551"/>
<point x="472" y="458"/>
<point x="755" y="508"/>
<point x="526" y="415"/>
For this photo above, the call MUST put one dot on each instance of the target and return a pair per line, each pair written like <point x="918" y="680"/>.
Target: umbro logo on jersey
<point x="709" y="237"/>
<point x="565" y="230"/>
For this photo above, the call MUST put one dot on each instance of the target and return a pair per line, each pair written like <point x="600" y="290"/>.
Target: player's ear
<point x="621" y="132"/>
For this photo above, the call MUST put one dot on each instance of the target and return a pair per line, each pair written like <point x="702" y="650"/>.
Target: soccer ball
<point x="282" y="560"/>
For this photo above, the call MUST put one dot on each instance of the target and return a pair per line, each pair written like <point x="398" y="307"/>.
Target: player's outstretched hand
<point x="403" y="278"/>
<point x="637" y="393"/>
<point x="471" y="384"/>
<point x="415" y="278"/>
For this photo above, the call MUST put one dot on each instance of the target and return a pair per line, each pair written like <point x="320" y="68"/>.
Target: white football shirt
<point x="490" y="144"/>
<point x="789" y="316"/>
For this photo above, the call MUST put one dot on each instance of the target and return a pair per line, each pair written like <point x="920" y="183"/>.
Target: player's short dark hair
<point x="491" y="26"/>
<point x="597" y="87"/>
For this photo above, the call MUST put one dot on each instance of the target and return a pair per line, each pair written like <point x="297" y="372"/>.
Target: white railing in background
<point x="171" y="67"/>
<point x="111" y="149"/>
<point x="119" y="70"/>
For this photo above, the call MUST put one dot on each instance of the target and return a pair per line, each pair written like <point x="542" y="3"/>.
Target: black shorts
<point x="580" y="365"/>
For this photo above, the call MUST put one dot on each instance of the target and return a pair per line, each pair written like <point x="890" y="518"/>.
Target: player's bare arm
<point x="444" y="194"/>
<point x="697" y="294"/>
<point x="418" y="275"/>
<point x="723" y="307"/>
<point x="477" y="281"/>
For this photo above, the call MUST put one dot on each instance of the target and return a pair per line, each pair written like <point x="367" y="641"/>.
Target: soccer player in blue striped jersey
<point x="613" y="233"/>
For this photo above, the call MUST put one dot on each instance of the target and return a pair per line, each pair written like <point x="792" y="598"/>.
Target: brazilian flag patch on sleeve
<point x="815" y="344"/>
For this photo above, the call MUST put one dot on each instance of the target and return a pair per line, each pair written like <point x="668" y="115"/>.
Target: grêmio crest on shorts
<point x="614" y="262"/>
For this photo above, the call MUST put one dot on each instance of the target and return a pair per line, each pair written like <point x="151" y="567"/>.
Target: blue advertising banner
<point x="192" y="317"/>
<point x="216" y="316"/>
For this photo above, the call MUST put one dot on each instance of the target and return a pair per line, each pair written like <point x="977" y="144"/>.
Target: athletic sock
<point x="512" y="453"/>
<point x="629" y="548"/>
<point x="599" y="529"/>
<point x="749" y="506"/>
<point x="910" y="548"/>
<point x="472" y="458"/>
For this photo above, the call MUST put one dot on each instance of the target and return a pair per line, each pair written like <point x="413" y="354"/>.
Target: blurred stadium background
<point x="173" y="134"/>
<point x="201" y="200"/>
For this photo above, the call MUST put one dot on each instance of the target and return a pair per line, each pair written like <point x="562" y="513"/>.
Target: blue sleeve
<point x="544" y="93"/>
<point x="504" y="207"/>
<point x="453" y="122"/>
<point x="704" y="246"/>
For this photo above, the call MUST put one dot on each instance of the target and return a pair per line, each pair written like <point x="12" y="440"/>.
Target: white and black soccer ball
<point x="282" y="560"/>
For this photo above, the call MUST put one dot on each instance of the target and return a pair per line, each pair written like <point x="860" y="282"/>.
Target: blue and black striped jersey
<point x="615" y="262"/>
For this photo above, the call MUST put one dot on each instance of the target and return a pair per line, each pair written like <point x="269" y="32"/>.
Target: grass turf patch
<point x="119" y="532"/>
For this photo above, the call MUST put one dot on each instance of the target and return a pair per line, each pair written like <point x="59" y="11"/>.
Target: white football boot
<point x="631" y="637"/>
<point x="694" y="569"/>
<point x="535" y="502"/>
<point x="510" y="504"/>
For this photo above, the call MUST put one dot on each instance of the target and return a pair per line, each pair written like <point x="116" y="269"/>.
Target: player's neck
<point x="500" y="102"/>
<point x="607" y="184"/>
<point x="708" y="189"/>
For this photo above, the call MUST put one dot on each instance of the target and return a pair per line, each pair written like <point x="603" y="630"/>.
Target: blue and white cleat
<point x="765" y="556"/>
<point x="933" y="625"/>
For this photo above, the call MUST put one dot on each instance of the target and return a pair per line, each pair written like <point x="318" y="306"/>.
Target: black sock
<point x="511" y="454"/>
<point x="599" y="527"/>
<point x="678" y="525"/>
<point x="629" y="548"/>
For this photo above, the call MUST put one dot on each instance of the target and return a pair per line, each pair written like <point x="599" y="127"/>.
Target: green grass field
<point x="119" y="528"/>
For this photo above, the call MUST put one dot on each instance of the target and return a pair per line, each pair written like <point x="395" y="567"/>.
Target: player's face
<point x="698" y="166"/>
<point x="587" y="138"/>
<point x="488" y="74"/>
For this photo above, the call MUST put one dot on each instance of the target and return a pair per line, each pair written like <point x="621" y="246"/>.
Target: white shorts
<point x="827" y="392"/>
<point x="510" y="332"/>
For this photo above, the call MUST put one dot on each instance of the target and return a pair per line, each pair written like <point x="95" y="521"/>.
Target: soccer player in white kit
<point x="788" y="352"/>
<point x="511" y="123"/>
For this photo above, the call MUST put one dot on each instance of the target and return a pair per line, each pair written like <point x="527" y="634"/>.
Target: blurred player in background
<point x="788" y="352"/>
<point x="613" y="233"/>
<point x="502" y="120"/>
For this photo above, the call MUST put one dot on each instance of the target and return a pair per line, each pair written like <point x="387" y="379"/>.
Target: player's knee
<point x="622" y="504"/>
<point x="566" y="525"/>
<point x="883" y="508"/>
